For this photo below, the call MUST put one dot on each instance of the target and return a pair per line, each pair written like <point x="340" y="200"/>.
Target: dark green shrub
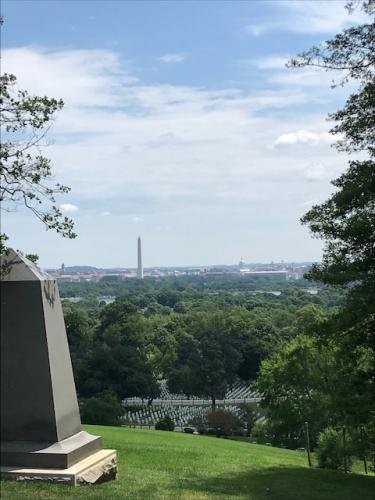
<point x="248" y="415"/>
<point x="224" y="423"/>
<point x="261" y="433"/>
<point x="331" y="451"/>
<point x="363" y="444"/>
<point x="104" y="409"/>
<point x="200" y="423"/>
<point x="165" y="424"/>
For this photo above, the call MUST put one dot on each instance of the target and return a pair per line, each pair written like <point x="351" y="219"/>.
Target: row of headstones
<point x="239" y="391"/>
<point x="181" y="415"/>
<point x="165" y="394"/>
<point x="150" y="416"/>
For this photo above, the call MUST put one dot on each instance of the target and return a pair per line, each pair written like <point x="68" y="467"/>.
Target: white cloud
<point x="68" y="208"/>
<point x="312" y="16"/>
<point x="303" y="137"/>
<point x="137" y="220"/>
<point x="79" y="77"/>
<point x="172" y="58"/>
<point x="157" y="150"/>
<point x="307" y="16"/>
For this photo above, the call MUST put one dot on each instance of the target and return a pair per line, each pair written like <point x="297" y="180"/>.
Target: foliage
<point x="350" y="53"/>
<point x="218" y="422"/>
<point x="296" y="383"/>
<point x="165" y="424"/>
<point x="261" y="433"/>
<point x="104" y="408"/>
<point x="118" y="358"/>
<point x="346" y="221"/>
<point x="326" y="375"/>
<point x="33" y="257"/>
<point x="208" y="357"/>
<point x="224" y="423"/>
<point x="363" y="444"/>
<point x="25" y="172"/>
<point x="248" y="415"/>
<point x="122" y="347"/>
<point x="79" y="330"/>
<point x="331" y="451"/>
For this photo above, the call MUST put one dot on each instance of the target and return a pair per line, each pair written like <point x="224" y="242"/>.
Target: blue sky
<point x="180" y="124"/>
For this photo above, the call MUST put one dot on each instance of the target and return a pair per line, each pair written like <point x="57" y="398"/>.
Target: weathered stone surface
<point x="104" y="470"/>
<point x="97" y="468"/>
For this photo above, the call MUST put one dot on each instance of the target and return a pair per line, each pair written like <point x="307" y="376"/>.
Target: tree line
<point x="201" y="343"/>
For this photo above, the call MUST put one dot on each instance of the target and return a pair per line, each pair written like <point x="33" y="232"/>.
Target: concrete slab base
<point x="99" y="467"/>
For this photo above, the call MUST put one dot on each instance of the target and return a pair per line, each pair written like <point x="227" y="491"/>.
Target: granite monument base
<point x="59" y="455"/>
<point x="97" y="468"/>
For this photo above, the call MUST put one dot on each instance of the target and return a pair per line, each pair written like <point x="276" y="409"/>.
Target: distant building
<point x="111" y="278"/>
<point x="140" y="265"/>
<point x="265" y="274"/>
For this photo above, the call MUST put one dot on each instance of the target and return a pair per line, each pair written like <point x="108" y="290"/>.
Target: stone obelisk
<point x="41" y="431"/>
<point x="139" y="254"/>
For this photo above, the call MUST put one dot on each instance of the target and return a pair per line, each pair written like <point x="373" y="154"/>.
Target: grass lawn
<point x="158" y="465"/>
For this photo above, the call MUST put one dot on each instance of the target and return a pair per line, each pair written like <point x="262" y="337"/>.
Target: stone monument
<point x="41" y="434"/>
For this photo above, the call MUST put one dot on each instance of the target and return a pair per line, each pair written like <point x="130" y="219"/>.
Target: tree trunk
<point x="213" y="403"/>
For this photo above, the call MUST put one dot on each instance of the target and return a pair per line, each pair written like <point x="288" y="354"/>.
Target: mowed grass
<point x="171" y="465"/>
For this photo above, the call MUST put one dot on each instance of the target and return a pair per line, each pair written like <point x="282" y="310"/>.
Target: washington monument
<point x="140" y="266"/>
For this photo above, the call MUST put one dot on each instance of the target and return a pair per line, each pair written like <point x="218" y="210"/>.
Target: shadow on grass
<point x="287" y="483"/>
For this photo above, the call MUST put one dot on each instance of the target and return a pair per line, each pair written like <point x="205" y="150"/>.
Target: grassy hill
<point x="162" y="465"/>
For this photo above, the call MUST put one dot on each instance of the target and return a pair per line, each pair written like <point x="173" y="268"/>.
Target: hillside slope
<point x="162" y="465"/>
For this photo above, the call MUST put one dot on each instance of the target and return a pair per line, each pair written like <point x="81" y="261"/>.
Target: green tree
<point x="80" y="330"/>
<point x="25" y="173"/>
<point x="259" y="338"/>
<point x="120" y="361"/>
<point x="296" y="384"/>
<point x="308" y="319"/>
<point x="224" y="423"/>
<point x="346" y="221"/>
<point x="208" y="357"/>
<point x="332" y="452"/>
<point x="104" y="409"/>
<point x="181" y="375"/>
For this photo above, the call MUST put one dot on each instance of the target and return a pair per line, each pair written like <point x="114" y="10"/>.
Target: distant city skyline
<point x="279" y="270"/>
<point x="136" y="266"/>
<point x="181" y="123"/>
